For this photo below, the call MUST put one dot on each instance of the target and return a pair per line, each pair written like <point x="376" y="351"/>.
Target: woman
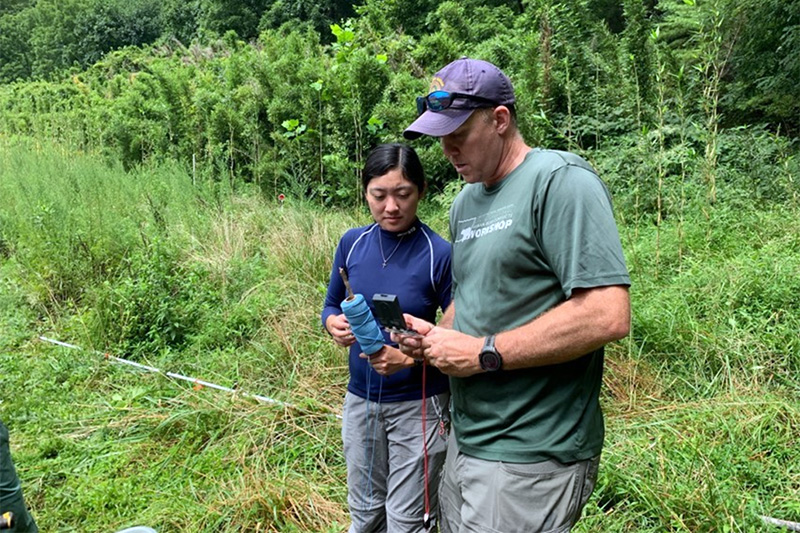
<point x="382" y="427"/>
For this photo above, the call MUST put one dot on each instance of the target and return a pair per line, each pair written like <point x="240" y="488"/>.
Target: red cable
<point x="425" y="447"/>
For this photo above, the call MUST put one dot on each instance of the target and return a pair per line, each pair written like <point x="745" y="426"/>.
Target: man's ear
<point x="502" y="118"/>
<point x="423" y="190"/>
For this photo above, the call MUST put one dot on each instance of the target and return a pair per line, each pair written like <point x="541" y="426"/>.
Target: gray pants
<point x="490" y="496"/>
<point x="10" y="490"/>
<point x="385" y="464"/>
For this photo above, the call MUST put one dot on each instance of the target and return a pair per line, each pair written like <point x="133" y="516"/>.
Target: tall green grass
<point x="725" y="314"/>
<point x="225" y="286"/>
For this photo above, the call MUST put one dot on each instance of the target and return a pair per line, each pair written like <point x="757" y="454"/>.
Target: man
<point x="539" y="287"/>
<point x="11" y="500"/>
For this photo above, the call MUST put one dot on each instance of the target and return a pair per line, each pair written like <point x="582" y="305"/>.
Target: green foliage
<point x="79" y="32"/>
<point x="138" y="177"/>
<point x="317" y="15"/>
<point x="241" y="16"/>
<point x="722" y="294"/>
<point x="419" y="17"/>
<point x="72" y="226"/>
<point x="110" y="26"/>
<point x="180" y="20"/>
<point x="153" y="304"/>
<point x="566" y="56"/>
<point x="118" y="448"/>
<point x="15" y="52"/>
<point x="659" y="92"/>
<point x="15" y="6"/>
<point x="636" y="37"/>
<point x="697" y="466"/>
<point x="765" y="62"/>
<point x="225" y="286"/>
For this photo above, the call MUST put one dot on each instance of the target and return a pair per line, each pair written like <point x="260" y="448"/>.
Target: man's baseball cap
<point x="457" y="90"/>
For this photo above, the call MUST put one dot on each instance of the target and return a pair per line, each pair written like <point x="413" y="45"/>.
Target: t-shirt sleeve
<point x="578" y="232"/>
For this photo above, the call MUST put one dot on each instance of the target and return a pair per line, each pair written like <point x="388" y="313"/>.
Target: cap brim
<point x="437" y="123"/>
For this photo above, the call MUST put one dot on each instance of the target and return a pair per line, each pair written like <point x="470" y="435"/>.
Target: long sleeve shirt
<point x="414" y="265"/>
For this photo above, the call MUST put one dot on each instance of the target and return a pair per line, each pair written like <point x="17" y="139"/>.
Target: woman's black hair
<point x="386" y="157"/>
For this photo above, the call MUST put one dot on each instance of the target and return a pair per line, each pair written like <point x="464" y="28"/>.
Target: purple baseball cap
<point x="468" y="77"/>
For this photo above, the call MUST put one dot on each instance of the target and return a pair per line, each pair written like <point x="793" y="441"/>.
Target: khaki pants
<point x="489" y="496"/>
<point x="11" y="491"/>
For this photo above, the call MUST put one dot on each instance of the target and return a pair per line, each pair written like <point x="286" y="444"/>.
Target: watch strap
<point x="488" y="343"/>
<point x="490" y="359"/>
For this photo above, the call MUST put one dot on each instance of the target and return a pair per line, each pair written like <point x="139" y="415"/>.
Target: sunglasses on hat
<point x="441" y="100"/>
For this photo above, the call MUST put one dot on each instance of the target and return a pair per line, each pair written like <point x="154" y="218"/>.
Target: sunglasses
<point x="441" y="100"/>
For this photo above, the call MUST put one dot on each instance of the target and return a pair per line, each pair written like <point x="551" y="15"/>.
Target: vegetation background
<point x="143" y="147"/>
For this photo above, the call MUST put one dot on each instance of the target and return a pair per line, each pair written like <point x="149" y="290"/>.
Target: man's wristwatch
<point x="490" y="359"/>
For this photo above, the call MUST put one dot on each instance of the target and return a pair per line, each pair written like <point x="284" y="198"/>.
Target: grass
<point x="118" y="447"/>
<point x="224" y="286"/>
<point x="706" y="465"/>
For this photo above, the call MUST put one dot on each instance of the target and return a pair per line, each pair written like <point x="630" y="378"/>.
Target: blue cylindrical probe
<point x="363" y="324"/>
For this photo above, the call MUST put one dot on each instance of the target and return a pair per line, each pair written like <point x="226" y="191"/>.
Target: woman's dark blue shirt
<point x="418" y="271"/>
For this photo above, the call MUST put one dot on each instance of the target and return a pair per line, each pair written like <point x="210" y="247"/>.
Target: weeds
<point x="702" y="415"/>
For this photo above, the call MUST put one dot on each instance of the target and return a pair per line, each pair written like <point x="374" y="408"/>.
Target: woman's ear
<point x="423" y="190"/>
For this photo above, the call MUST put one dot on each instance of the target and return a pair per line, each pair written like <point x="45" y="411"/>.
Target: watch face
<point x="490" y="361"/>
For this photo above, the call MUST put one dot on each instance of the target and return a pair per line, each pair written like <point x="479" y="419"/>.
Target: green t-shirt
<point x="520" y="247"/>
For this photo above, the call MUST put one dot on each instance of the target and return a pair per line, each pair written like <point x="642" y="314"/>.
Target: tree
<point x="67" y="33"/>
<point x="241" y="16"/>
<point x="180" y="19"/>
<point x="15" y="51"/>
<point x="636" y="36"/>
<point x="765" y="62"/>
<point x="10" y="7"/>
<point x="319" y="15"/>
<point x="110" y="26"/>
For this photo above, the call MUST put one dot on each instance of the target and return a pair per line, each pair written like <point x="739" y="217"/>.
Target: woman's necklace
<point x="380" y="244"/>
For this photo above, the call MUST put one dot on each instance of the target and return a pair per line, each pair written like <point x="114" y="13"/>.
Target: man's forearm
<point x="576" y="327"/>
<point x="448" y="317"/>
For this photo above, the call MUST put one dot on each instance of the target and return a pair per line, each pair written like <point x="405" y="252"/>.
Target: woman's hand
<point x="388" y="360"/>
<point x="339" y="328"/>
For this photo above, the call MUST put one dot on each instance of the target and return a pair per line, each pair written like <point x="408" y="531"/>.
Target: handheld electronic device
<point x="390" y="315"/>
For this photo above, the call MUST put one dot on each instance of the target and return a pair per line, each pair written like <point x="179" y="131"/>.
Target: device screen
<point x="389" y="313"/>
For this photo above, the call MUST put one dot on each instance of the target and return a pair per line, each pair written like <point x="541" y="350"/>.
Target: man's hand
<point x="454" y="353"/>
<point x="339" y="328"/>
<point x="411" y="345"/>
<point x="388" y="360"/>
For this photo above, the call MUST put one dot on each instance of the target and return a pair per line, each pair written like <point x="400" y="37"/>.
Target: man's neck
<point x="513" y="155"/>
